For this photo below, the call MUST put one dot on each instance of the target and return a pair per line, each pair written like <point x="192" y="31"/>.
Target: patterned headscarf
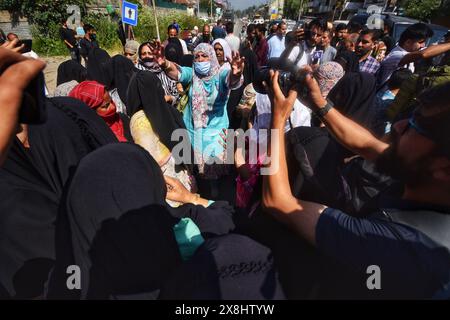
<point x="327" y="75"/>
<point x="209" y="51"/>
<point x="204" y="92"/>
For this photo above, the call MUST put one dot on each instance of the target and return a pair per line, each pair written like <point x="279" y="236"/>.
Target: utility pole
<point x="342" y="10"/>
<point x="300" y="10"/>
<point x="334" y="11"/>
<point x="156" y="20"/>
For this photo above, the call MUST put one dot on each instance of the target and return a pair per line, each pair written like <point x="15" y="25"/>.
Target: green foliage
<point x="48" y="45"/>
<point x="205" y="6"/>
<point x="146" y="28"/>
<point x="291" y="8"/>
<point x="42" y="13"/>
<point x="422" y="9"/>
<point x="106" y="30"/>
<point x="45" y="16"/>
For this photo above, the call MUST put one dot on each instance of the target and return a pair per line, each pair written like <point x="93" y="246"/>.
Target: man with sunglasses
<point x="306" y="51"/>
<point x="402" y="250"/>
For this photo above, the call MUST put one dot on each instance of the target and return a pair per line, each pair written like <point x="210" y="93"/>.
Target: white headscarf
<point x="226" y="52"/>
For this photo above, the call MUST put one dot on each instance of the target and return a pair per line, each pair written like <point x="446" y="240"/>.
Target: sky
<point x="244" y="4"/>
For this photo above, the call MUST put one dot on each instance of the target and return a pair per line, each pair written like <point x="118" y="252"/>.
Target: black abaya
<point x="70" y="70"/>
<point x="31" y="184"/>
<point x="122" y="232"/>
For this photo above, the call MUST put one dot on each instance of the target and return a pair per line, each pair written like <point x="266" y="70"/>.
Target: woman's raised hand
<point x="237" y="64"/>
<point x="158" y="54"/>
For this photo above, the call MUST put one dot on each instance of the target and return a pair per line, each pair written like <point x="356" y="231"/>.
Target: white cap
<point x="195" y="28"/>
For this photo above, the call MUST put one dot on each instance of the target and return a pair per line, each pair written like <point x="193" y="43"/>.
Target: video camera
<point x="291" y="77"/>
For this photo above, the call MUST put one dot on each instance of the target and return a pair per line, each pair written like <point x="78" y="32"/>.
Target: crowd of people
<point x="123" y="171"/>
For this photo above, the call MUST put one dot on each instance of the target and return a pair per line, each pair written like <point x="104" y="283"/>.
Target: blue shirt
<point x="412" y="265"/>
<point x="276" y="47"/>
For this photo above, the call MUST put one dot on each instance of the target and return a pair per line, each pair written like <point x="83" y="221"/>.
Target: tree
<point x="291" y="8"/>
<point x="422" y="9"/>
<point x="41" y="13"/>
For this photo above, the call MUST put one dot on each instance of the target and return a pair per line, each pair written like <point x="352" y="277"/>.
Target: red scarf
<point x="92" y="93"/>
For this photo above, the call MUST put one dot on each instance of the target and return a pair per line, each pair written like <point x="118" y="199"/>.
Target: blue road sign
<point x="129" y="13"/>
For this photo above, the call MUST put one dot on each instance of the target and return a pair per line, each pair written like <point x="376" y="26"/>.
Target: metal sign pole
<point x="156" y="20"/>
<point x="121" y="18"/>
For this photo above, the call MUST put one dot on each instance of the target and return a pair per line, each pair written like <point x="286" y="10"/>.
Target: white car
<point x="336" y="22"/>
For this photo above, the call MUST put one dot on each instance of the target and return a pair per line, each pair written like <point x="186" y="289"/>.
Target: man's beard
<point x="361" y="53"/>
<point x="391" y="164"/>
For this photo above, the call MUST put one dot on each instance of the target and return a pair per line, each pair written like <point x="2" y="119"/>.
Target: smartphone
<point x="317" y="56"/>
<point x="300" y="25"/>
<point x="28" y="43"/>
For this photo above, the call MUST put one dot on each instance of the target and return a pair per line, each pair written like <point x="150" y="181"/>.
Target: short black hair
<point x="416" y="32"/>
<point x="290" y="37"/>
<point x="281" y="23"/>
<point x="318" y="23"/>
<point x="398" y="77"/>
<point x="170" y="27"/>
<point x="251" y="28"/>
<point x="88" y="27"/>
<point x="354" y="27"/>
<point x="341" y="26"/>
<point x="375" y="34"/>
<point x="261" y="27"/>
<point x="229" y="26"/>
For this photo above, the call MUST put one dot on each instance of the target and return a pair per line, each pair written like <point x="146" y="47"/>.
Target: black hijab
<point x="118" y="73"/>
<point x="227" y="267"/>
<point x="354" y="96"/>
<point x="31" y="184"/>
<point x="348" y="60"/>
<point x="174" y="50"/>
<point x="187" y="60"/>
<point x="95" y="67"/>
<point x="122" y="236"/>
<point x="71" y="70"/>
<point x="146" y="93"/>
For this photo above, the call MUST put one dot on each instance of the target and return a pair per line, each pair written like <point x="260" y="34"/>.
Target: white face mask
<point x="202" y="68"/>
<point x="150" y="64"/>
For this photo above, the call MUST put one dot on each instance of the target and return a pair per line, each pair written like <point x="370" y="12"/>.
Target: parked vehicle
<point x="336" y="22"/>
<point x="398" y="24"/>
<point x="290" y="24"/>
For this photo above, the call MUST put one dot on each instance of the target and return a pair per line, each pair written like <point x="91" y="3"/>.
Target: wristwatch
<point x="321" y="112"/>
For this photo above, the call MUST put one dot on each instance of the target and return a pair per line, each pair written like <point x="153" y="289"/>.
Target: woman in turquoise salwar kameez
<point x="206" y="114"/>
